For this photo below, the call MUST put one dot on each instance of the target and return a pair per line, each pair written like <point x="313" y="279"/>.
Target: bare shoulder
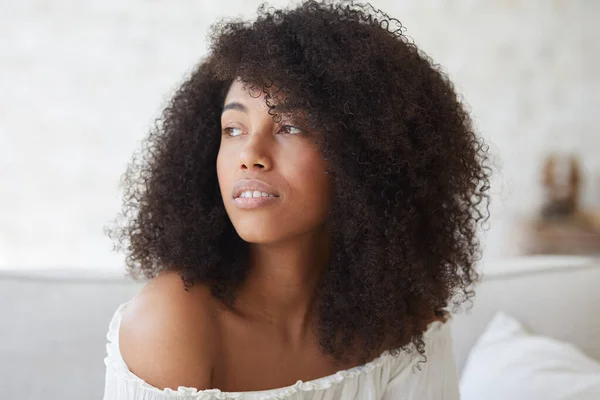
<point x="167" y="335"/>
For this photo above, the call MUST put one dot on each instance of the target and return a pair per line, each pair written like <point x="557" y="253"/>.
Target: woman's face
<point x="277" y="164"/>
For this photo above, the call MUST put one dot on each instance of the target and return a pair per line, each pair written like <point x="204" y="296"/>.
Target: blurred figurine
<point x="562" y="193"/>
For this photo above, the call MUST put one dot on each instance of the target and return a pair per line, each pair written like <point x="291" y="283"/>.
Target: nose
<point x="255" y="154"/>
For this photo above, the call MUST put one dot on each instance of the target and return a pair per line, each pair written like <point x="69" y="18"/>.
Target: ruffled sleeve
<point x="435" y="379"/>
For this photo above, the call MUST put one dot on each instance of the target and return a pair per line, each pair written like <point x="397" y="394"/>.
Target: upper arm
<point x="166" y="337"/>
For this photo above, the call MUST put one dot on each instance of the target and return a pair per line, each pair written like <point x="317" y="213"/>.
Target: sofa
<point x="54" y="322"/>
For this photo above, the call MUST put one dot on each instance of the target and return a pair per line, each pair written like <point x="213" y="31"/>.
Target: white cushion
<point x="554" y="296"/>
<point x="508" y="362"/>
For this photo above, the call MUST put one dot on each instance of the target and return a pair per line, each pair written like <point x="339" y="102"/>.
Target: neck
<point x="281" y="284"/>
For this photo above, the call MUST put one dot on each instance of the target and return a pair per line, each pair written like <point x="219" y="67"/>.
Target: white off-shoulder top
<point x="387" y="377"/>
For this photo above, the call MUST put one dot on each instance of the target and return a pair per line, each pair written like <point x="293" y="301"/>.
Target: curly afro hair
<point x="410" y="175"/>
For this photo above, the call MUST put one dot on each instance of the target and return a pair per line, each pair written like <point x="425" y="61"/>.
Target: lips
<point x="252" y="184"/>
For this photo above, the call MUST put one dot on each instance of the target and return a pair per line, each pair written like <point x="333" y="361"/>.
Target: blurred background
<point x="82" y="81"/>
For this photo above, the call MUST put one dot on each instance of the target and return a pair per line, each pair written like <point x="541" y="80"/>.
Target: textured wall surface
<point x="81" y="83"/>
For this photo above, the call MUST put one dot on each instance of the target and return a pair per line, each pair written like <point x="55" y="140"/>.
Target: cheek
<point x="307" y="175"/>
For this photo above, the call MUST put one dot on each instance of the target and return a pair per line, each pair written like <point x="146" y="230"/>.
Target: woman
<point x="306" y="211"/>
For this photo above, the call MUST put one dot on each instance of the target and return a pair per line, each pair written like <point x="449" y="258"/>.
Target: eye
<point x="226" y="131"/>
<point x="287" y="128"/>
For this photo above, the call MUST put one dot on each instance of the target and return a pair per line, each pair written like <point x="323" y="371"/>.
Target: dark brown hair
<point x="410" y="174"/>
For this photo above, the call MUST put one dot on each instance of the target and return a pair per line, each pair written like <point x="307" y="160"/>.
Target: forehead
<point x="253" y="99"/>
<point x="240" y="90"/>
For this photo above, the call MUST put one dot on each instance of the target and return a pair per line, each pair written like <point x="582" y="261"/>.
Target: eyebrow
<point x="234" y="106"/>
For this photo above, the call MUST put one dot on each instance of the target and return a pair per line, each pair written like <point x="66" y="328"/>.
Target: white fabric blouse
<point x="385" y="378"/>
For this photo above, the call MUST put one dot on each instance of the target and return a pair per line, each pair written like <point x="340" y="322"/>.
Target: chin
<point x="258" y="237"/>
<point x="253" y="232"/>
